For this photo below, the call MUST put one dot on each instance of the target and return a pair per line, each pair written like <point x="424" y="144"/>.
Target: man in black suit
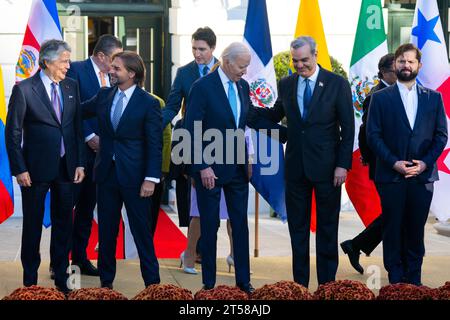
<point x="44" y="112"/>
<point x="220" y="102"/>
<point x="128" y="163"/>
<point x="91" y="75"/>
<point x="407" y="131"/>
<point x="320" y="132"/>
<point x="371" y="236"/>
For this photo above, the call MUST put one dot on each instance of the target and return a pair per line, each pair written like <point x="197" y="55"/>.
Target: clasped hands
<point x="410" y="168"/>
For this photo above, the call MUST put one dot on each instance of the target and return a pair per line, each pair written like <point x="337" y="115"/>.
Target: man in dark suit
<point x="371" y="236"/>
<point x="407" y="131"/>
<point x="91" y="74"/>
<point x="44" y="112"/>
<point x="128" y="163"/>
<point x="320" y="132"/>
<point x="203" y="45"/>
<point x="219" y="102"/>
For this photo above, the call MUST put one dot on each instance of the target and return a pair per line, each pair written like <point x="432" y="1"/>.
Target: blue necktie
<point x="115" y="118"/>
<point x="232" y="100"/>
<point x="205" y="71"/>
<point x="56" y="104"/>
<point x="306" y="98"/>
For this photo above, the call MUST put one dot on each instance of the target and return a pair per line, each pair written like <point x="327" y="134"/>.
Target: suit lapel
<point x="295" y="80"/>
<point x="91" y="73"/>
<point x="398" y="102"/>
<point x="422" y="97"/>
<point x="318" y="90"/>
<point x="41" y="92"/>
<point x="194" y="71"/>
<point x="244" y="107"/>
<point x="127" y="111"/>
<point x="67" y="105"/>
<point x="222" y="95"/>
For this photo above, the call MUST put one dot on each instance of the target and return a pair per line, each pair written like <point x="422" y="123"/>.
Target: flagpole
<point x="256" y="253"/>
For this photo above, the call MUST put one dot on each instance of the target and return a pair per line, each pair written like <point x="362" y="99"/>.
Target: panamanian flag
<point x="428" y="36"/>
<point x="263" y="93"/>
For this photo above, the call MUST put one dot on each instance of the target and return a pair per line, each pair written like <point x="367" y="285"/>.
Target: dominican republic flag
<point x="428" y="36"/>
<point x="263" y="92"/>
<point x="6" y="185"/>
<point x="370" y="45"/>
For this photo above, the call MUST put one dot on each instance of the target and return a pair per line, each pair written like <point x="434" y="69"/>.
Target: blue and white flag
<point x="263" y="92"/>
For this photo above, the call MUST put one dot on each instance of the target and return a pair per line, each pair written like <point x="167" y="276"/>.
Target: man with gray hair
<point x="44" y="112"/>
<point x="220" y="101"/>
<point x="318" y="107"/>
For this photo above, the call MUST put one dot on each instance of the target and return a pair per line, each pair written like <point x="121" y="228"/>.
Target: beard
<point x="404" y="77"/>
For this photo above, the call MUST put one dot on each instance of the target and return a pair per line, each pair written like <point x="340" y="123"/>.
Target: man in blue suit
<point x="91" y="74"/>
<point x="128" y="163"/>
<point x="203" y="45"/>
<point x="219" y="102"/>
<point x="407" y="131"/>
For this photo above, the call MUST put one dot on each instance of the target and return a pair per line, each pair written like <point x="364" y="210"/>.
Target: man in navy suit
<point x="318" y="108"/>
<point x="219" y="102"/>
<point x="45" y="149"/>
<point x="203" y="45"/>
<point x="407" y="131"/>
<point x="91" y="74"/>
<point x="128" y="163"/>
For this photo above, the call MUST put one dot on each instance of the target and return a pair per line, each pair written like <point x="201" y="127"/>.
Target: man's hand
<point x="23" y="179"/>
<point x="405" y="168"/>
<point x="208" y="178"/>
<point x="418" y="168"/>
<point x="147" y="189"/>
<point x="79" y="175"/>
<point x="340" y="174"/>
<point x="94" y="143"/>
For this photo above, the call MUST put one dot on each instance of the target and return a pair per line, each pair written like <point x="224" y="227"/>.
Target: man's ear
<point x="131" y="74"/>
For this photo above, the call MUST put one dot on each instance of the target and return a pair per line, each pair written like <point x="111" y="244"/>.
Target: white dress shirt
<point x="48" y="88"/>
<point x="410" y="101"/>
<point x="225" y="82"/>
<point x="128" y="93"/>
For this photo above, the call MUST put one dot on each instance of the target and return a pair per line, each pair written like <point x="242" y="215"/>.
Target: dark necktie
<point x="56" y="103"/>
<point x="306" y="98"/>
<point x="205" y="71"/>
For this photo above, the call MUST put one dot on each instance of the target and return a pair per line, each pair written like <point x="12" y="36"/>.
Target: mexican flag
<point x="370" y="45"/>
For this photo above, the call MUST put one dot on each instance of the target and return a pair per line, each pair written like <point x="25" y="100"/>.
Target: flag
<point x="428" y="36"/>
<point x="6" y="185"/>
<point x="43" y="24"/>
<point x="370" y="45"/>
<point x="263" y="93"/>
<point x="309" y="23"/>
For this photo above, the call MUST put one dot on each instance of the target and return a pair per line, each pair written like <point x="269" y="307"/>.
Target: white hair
<point x="234" y="50"/>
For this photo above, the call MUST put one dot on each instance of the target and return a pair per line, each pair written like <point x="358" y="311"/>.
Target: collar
<point x="96" y="68"/>
<point x="223" y="77"/>
<point x="385" y="83"/>
<point x="128" y="93"/>
<point x="404" y="88"/>
<point x="209" y="64"/>
<point x="45" y="79"/>
<point x="314" y="76"/>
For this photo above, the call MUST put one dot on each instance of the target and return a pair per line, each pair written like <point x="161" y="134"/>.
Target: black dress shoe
<point x="52" y="273"/>
<point x="247" y="288"/>
<point x="207" y="287"/>
<point x="353" y="255"/>
<point x="107" y="285"/>
<point x="64" y="289"/>
<point x="87" y="268"/>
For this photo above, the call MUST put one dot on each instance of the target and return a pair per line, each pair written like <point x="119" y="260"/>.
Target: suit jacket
<point x="391" y="137"/>
<point x="208" y="102"/>
<point x="137" y="142"/>
<point x="324" y="140"/>
<point x="31" y="117"/>
<point x="185" y="77"/>
<point x="367" y="154"/>
<point x="83" y="72"/>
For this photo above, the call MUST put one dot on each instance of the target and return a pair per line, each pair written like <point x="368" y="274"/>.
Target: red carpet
<point x="169" y="241"/>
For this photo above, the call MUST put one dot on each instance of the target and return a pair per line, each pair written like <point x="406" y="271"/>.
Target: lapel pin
<point x="320" y="84"/>
<point x="70" y="97"/>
